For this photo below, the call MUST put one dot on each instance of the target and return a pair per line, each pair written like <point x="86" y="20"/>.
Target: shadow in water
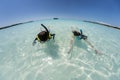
<point x="52" y="49"/>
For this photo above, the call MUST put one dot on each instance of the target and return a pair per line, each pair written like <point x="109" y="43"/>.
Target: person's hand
<point x="34" y="42"/>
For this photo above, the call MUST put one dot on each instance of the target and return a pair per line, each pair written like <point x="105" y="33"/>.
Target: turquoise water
<point x="19" y="60"/>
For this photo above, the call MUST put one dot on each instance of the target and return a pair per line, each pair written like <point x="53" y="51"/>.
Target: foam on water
<point x="19" y="60"/>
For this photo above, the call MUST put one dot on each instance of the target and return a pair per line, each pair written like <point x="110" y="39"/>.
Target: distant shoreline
<point x="100" y="23"/>
<point x="94" y="22"/>
<point x="14" y="25"/>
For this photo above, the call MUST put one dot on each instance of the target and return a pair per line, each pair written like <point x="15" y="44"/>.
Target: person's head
<point x="43" y="36"/>
<point x="42" y="33"/>
<point x="76" y="33"/>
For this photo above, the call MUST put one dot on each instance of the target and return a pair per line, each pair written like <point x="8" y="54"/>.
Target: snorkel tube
<point x="81" y="31"/>
<point x="45" y="27"/>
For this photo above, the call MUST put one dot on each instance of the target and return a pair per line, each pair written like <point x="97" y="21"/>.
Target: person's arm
<point x="34" y="42"/>
<point x="71" y="45"/>
<point x="53" y="36"/>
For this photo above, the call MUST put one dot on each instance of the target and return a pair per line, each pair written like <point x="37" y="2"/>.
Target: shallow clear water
<point x="19" y="60"/>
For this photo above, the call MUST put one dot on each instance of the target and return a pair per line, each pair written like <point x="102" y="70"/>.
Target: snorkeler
<point x="43" y="36"/>
<point x="80" y="36"/>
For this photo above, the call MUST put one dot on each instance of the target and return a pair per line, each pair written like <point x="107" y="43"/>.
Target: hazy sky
<point x="13" y="11"/>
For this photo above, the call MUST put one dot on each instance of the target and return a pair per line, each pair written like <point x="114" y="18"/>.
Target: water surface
<point x="19" y="60"/>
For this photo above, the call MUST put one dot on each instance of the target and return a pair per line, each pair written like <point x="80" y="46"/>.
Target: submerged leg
<point x="96" y="51"/>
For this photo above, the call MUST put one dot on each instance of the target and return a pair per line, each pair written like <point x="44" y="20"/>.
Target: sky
<point x="15" y="11"/>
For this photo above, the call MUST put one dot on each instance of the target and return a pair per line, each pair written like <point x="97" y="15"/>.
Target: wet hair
<point x="76" y="33"/>
<point x="43" y="36"/>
